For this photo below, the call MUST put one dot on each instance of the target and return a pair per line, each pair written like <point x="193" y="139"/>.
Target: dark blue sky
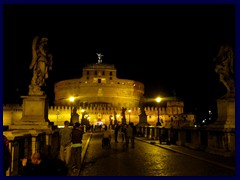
<point x="167" y="47"/>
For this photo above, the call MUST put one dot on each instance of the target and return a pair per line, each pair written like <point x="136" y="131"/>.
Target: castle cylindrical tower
<point x="99" y="85"/>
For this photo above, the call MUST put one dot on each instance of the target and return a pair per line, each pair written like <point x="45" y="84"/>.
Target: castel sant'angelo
<point x="99" y="85"/>
<point x="99" y="97"/>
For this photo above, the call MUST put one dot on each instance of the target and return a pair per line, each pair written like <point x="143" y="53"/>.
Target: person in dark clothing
<point x="38" y="166"/>
<point x="35" y="167"/>
<point x="6" y="154"/>
<point x="76" y="151"/>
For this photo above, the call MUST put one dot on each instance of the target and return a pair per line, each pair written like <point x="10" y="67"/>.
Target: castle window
<point x="95" y="72"/>
<point x="87" y="78"/>
<point x="87" y="72"/>
<point x="103" y="73"/>
<point x="99" y="80"/>
<point x="110" y="78"/>
<point x="110" y="73"/>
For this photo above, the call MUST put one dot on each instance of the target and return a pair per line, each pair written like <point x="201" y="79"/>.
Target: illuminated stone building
<point x="99" y="98"/>
<point x="99" y="85"/>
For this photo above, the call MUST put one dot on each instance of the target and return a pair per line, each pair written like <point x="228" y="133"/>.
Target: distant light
<point x="158" y="99"/>
<point x="71" y="99"/>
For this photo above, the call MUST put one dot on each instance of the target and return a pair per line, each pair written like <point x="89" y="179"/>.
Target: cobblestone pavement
<point x="149" y="158"/>
<point x="226" y="162"/>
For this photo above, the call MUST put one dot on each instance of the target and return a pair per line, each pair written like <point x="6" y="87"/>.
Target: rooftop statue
<point x="99" y="58"/>
<point x="225" y="68"/>
<point x="41" y="63"/>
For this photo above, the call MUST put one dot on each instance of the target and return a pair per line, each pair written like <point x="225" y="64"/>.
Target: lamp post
<point x="82" y="120"/>
<point x="71" y="99"/>
<point x="129" y="112"/>
<point x="158" y="99"/>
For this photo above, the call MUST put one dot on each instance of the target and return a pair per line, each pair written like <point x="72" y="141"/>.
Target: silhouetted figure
<point x="106" y="140"/>
<point x="36" y="166"/>
<point x="76" y="150"/>
<point x="6" y="155"/>
<point x="65" y="142"/>
<point x="116" y="129"/>
<point x="123" y="115"/>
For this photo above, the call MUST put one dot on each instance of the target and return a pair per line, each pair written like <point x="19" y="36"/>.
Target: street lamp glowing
<point x="71" y="99"/>
<point x="158" y="99"/>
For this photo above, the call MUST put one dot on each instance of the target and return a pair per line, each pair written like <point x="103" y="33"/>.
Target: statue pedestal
<point x="226" y="114"/>
<point x="221" y="136"/>
<point x="35" y="114"/>
<point x="143" y="120"/>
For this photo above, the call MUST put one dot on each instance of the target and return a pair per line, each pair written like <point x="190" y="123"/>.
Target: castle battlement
<point x="58" y="114"/>
<point x="135" y="110"/>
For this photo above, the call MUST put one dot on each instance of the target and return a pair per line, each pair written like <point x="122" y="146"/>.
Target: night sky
<point x="169" y="48"/>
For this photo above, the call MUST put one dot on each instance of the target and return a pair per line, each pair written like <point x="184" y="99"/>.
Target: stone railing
<point x="215" y="141"/>
<point x="22" y="143"/>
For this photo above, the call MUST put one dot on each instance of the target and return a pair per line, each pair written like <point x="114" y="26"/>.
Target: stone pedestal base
<point x="226" y="114"/>
<point x="143" y="120"/>
<point x="222" y="142"/>
<point x="35" y="114"/>
<point x="221" y="136"/>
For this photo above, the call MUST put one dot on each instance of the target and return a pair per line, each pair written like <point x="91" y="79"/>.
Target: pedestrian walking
<point x="131" y="132"/>
<point x="65" y="142"/>
<point x="116" y="129"/>
<point x="123" y="132"/>
<point x="76" y="151"/>
<point x="106" y="140"/>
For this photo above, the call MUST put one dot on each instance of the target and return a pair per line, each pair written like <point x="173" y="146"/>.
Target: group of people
<point x="127" y="134"/>
<point x="69" y="162"/>
<point x="71" y="146"/>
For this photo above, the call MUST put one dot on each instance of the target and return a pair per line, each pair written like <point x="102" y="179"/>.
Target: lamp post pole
<point x="158" y="99"/>
<point x="129" y="111"/>
<point x="82" y="120"/>
<point x="71" y="99"/>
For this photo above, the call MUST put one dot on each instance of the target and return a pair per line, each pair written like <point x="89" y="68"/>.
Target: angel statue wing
<point x="34" y="52"/>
